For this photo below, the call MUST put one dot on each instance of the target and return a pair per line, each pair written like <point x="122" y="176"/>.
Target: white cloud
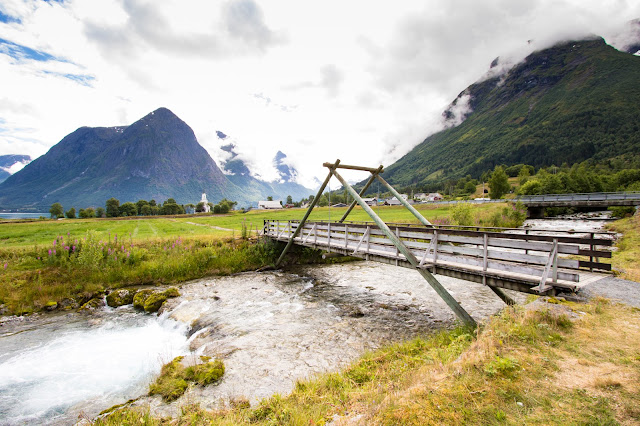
<point x="362" y="81"/>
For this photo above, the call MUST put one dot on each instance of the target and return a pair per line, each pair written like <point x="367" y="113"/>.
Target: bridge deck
<point x="532" y="263"/>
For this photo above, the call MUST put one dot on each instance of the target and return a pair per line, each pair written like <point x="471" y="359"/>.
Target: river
<point x="270" y="329"/>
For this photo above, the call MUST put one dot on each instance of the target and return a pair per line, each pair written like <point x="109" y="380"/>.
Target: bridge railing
<point x="593" y="196"/>
<point x="539" y="259"/>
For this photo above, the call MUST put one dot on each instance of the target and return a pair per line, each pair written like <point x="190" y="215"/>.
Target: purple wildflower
<point x="49" y="252"/>
<point x="5" y="266"/>
<point x="74" y="248"/>
<point x="54" y="252"/>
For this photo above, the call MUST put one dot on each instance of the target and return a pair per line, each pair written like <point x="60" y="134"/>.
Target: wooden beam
<point x="404" y="202"/>
<point x="306" y="215"/>
<point x="364" y="188"/>
<point x="410" y="257"/>
<point x="345" y="166"/>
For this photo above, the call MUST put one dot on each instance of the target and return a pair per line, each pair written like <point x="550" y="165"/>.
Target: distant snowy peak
<point x="12" y="163"/>
<point x="287" y="173"/>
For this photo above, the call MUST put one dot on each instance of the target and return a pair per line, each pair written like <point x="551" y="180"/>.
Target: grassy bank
<point x="580" y="365"/>
<point x="70" y="271"/>
<point x="627" y="257"/>
<point x="52" y="264"/>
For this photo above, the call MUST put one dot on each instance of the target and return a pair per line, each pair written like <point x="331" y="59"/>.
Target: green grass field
<point x="16" y="234"/>
<point x="45" y="262"/>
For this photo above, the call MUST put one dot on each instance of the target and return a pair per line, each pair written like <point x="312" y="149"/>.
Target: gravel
<point x="614" y="288"/>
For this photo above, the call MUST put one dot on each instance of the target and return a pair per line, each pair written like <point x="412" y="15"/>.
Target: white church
<point x="207" y="207"/>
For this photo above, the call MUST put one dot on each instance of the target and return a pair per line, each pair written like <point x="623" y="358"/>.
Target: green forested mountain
<point x="576" y="101"/>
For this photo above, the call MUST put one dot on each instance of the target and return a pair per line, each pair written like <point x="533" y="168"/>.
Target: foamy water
<point x="53" y="372"/>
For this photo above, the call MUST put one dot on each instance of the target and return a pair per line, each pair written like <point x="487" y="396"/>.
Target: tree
<point x="289" y="199"/>
<point x="269" y="198"/>
<point x="146" y="210"/>
<point x="200" y="207"/>
<point x="128" y="209"/>
<point x="56" y="211"/>
<point x="86" y="213"/>
<point x="170" y="201"/>
<point x="141" y="203"/>
<point x="71" y="213"/>
<point x="523" y="176"/>
<point x="498" y="183"/>
<point x="100" y="212"/>
<point x="113" y="207"/>
<point x="216" y="209"/>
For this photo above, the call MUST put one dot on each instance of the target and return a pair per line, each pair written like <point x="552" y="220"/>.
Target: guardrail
<point x="523" y="261"/>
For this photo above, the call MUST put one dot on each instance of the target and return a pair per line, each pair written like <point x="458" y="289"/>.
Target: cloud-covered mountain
<point x="12" y="163"/>
<point x="239" y="173"/>
<point x="575" y="101"/>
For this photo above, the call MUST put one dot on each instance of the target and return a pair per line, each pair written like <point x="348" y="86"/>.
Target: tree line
<point x="113" y="208"/>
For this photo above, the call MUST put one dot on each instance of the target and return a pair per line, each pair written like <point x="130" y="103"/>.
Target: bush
<point x="461" y="214"/>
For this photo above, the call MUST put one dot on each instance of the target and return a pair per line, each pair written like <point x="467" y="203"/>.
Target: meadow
<point x="62" y="264"/>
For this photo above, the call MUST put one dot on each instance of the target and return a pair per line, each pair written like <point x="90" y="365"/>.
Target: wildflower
<point x="122" y="248"/>
<point x="66" y="248"/>
<point x="5" y="266"/>
<point x="74" y="248"/>
<point x="54" y="252"/>
<point x="128" y="254"/>
<point x="49" y="252"/>
<point x="54" y="242"/>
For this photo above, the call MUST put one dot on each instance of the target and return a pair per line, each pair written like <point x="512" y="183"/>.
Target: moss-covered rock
<point x="119" y="298"/>
<point x="51" y="305"/>
<point x="154" y="302"/>
<point x="95" y="303"/>
<point x="205" y="374"/>
<point x="171" y="383"/>
<point x="171" y="292"/>
<point x="140" y="297"/>
<point x="174" y="378"/>
<point x="68" y="304"/>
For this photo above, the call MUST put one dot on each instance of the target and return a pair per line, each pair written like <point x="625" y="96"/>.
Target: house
<point x="393" y="201"/>
<point x="370" y="201"/>
<point x="435" y="196"/>
<point x="421" y="196"/>
<point x="269" y="205"/>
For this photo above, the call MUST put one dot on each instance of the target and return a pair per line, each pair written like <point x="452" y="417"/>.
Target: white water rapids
<point x="54" y="371"/>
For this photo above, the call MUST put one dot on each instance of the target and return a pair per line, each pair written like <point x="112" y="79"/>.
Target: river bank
<point x="276" y="328"/>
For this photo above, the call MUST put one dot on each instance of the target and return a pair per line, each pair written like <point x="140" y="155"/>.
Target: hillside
<point x="573" y="102"/>
<point x="157" y="157"/>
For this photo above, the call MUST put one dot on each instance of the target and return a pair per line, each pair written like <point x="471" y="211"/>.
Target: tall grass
<point x="82" y="267"/>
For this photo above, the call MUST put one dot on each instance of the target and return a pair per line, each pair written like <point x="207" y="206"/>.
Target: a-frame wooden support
<point x="401" y="247"/>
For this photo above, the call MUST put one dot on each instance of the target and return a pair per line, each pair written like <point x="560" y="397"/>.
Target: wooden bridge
<point x="524" y="260"/>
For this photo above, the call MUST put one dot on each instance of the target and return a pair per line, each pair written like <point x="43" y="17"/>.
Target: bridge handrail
<point x="476" y="228"/>
<point x="582" y="196"/>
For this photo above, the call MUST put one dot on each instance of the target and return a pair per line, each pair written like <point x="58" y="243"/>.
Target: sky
<point x="363" y="81"/>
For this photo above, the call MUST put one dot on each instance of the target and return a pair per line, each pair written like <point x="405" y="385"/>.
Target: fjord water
<point x="55" y="368"/>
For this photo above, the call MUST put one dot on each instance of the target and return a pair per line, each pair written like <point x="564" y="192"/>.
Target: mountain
<point x="9" y="164"/>
<point x="157" y="157"/>
<point x="239" y="173"/>
<point x="572" y="102"/>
